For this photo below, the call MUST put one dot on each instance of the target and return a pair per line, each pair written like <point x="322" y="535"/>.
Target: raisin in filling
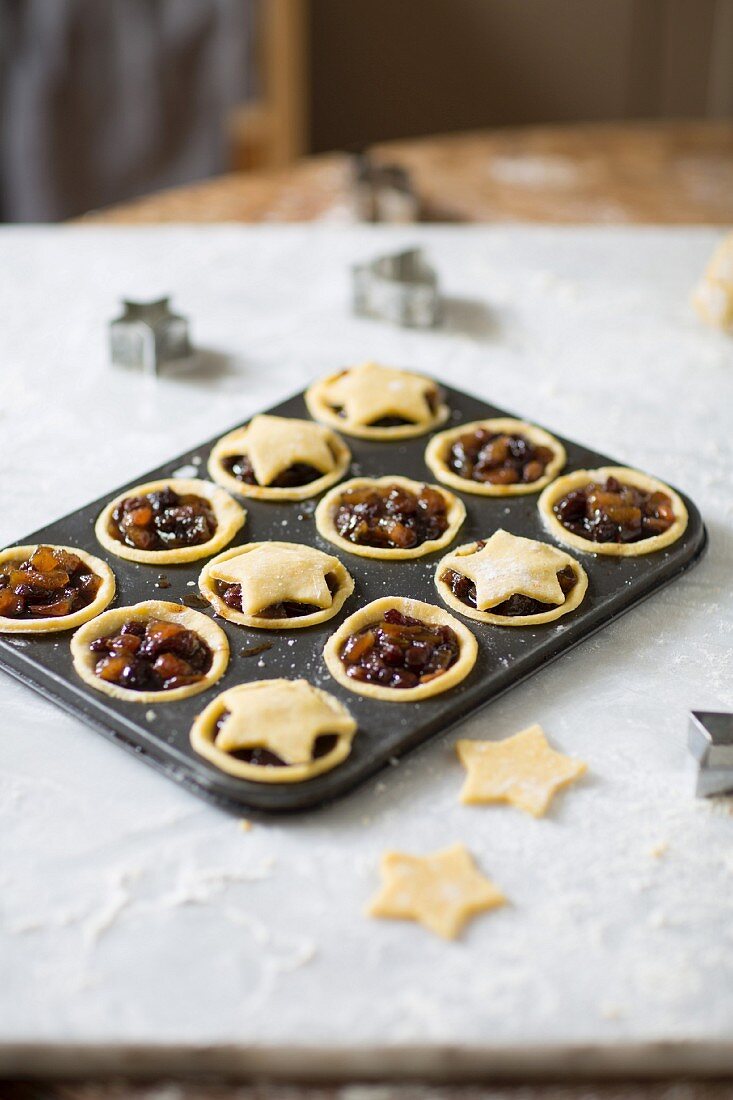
<point x="323" y="744"/>
<point x="464" y="589"/>
<point x="163" y="520"/>
<point x="300" y="473"/>
<point x="153" y="656"/>
<point x="231" y="594"/>
<point x="432" y="397"/>
<point x="498" y="458"/>
<point x="399" y="652"/>
<point x="391" y="517"/>
<point x="611" y="511"/>
<point x="49" y="584"/>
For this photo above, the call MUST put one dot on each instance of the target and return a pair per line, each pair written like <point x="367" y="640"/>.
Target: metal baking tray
<point x="158" y="733"/>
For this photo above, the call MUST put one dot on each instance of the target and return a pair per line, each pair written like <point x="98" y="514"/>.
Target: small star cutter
<point x="148" y="334"/>
<point x="710" y="740"/>
<point x="401" y="288"/>
<point x="523" y="771"/>
<point x="441" y="890"/>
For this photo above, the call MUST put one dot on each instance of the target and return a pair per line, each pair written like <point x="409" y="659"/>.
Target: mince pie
<point x="150" y="652"/>
<point x="274" y="731"/>
<point x="613" y="510"/>
<point x="389" y="517"/>
<point x="375" y="402"/>
<point x="499" y="457"/>
<point x="170" y="521"/>
<point x="277" y="458"/>
<point x="401" y="650"/>
<point x="48" y="588"/>
<point x="511" y="581"/>
<point x="275" y="585"/>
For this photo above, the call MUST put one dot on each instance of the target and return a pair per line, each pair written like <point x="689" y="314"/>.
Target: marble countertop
<point x="132" y="913"/>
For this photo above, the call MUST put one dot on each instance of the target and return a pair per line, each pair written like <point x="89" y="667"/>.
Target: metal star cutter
<point x="147" y="335"/>
<point x="401" y="288"/>
<point x="710" y="740"/>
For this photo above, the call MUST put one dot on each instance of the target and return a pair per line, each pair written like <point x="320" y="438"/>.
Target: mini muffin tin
<point x="159" y="733"/>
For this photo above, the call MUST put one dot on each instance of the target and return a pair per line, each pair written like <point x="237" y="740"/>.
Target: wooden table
<point x="668" y="173"/>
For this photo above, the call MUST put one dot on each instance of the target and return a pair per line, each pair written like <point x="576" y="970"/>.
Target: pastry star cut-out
<point x="283" y="716"/>
<point x="273" y="443"/>
<point x="441" y="890"/>
<point x="369" y="392"/>
<point x="522" y="770"/>
<point x="272" y="574"/>
<point x="510" y="565"/>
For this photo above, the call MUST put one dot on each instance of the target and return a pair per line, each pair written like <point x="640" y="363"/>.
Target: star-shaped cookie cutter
<point x="401" y="288"/>
<point x="148" y="334"/>
<point x="710" y="740"/>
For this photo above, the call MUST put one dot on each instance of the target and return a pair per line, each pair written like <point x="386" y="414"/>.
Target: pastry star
<point x="273" y="443"/>
<point x="441" y="890"/>
<point x="509" y="565"/>
<point x="271" y="574"/>
<point x="284" y="716"/>
<point x="369" y="392"/>
<point x="522" y="770"/>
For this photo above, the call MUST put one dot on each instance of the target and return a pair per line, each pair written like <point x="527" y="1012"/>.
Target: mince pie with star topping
<point x="48" y="588"/>
<point x="275" y="585"/>
<point x="278" y="458"/>
<point x="508" y="580"/>
<point x="613" y="510"/>
<point x="274" y="731"/>
<point x="401" y="650"/>
<point x="375" y="402"/>
<point x="498" y="457"/>
<point x="150" y="652"/>
<point x="170" y="521"/>
<point x="389" y="517"/>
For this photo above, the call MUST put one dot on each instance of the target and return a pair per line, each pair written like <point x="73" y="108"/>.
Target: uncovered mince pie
<point x="277" y="458"/>
<point x="48" y="588"/>
<point x="150" y="652"/>
<point x="375" y="402"/>
<point x="169" y="521"/>
<point x="401" y="650"/>
<point x="274" y="731"/>
<point x="511" y="581"/>
<point x="499" y="457"/>
<point x="389" y="517"/>
<point x="275" y="585"/>
<point x="613" y="510"/>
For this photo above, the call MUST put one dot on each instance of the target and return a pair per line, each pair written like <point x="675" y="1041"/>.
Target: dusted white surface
<point x="131" y="911"/>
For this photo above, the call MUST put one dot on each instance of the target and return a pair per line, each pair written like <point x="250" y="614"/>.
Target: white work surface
<point x="131" y="912"/>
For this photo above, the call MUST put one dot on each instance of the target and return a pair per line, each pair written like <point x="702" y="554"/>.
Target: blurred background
<point x="107" y="101"/>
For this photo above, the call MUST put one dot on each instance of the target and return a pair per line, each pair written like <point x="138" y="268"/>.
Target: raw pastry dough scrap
<point x="522" y="770"/>
<point x="713" y="298"/>
<point x="441" y="891"/>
